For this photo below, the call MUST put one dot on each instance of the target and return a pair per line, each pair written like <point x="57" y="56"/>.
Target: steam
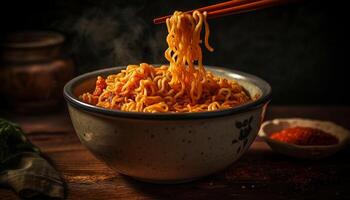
<point x="115" y="36"/>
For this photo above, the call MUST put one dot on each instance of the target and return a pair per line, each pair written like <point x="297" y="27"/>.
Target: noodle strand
<point x="183" y="86"/>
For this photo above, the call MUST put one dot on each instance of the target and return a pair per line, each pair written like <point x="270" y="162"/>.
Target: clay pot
<point x="33" y="71"/>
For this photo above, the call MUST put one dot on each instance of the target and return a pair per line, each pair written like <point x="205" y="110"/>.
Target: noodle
<point x="180" y="87"/>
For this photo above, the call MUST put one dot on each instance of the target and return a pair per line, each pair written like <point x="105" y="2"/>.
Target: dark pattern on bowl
<point x="244" y="130"/>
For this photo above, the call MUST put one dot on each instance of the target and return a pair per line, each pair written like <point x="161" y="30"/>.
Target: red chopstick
<point x="231" y="7"/>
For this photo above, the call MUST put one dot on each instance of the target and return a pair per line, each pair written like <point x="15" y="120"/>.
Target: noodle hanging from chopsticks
<point x="182" y="86"/>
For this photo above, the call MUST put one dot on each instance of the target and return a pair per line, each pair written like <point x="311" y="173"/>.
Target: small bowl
<point x="167" y="147"/>
<point x="302" y="151"/>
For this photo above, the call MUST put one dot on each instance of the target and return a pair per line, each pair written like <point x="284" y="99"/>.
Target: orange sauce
<point x="305" y="136"/>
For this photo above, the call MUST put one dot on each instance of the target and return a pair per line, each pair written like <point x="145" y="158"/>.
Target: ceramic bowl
<point x="167" y="147"/>
<point x="305" y="152"/>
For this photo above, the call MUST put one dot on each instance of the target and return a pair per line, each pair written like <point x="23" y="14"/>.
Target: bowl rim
<point x="52" y="38"/>
<point x="258" y="82"/>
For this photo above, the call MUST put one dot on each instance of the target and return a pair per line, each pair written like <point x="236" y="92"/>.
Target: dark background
<point x="299" y="49"/>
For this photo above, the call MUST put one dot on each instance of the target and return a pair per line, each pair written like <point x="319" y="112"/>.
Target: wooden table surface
<point x="260" y="173"/>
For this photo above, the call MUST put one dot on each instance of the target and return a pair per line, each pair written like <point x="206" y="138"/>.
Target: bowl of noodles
<point x="169" y="123"/>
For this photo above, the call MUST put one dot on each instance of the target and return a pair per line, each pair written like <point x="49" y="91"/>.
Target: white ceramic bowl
<point x="305" y="152"/>
<point x="167" y="147"/>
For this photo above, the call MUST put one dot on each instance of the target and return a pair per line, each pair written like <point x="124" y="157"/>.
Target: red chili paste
<point x="304" y="136"/>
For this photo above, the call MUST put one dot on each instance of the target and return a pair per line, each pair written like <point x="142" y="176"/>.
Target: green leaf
<point x="13" y="140"/>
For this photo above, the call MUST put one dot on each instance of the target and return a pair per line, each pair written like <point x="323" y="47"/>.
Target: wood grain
<point x="260" y="173"/>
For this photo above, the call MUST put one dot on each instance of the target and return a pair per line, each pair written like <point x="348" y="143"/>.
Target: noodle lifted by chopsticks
<point x="179" y="87"/>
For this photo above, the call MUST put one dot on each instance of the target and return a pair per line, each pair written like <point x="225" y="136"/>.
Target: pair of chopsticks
<point x="231" y="7"/>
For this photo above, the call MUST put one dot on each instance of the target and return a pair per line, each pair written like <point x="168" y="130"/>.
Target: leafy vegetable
<point x="13" y="141"/>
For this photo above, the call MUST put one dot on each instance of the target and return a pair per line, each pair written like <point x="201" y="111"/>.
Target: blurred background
<point x="299" y="49"/>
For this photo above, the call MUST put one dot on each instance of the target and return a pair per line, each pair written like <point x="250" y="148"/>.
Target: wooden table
<point x="259" y="174"/>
